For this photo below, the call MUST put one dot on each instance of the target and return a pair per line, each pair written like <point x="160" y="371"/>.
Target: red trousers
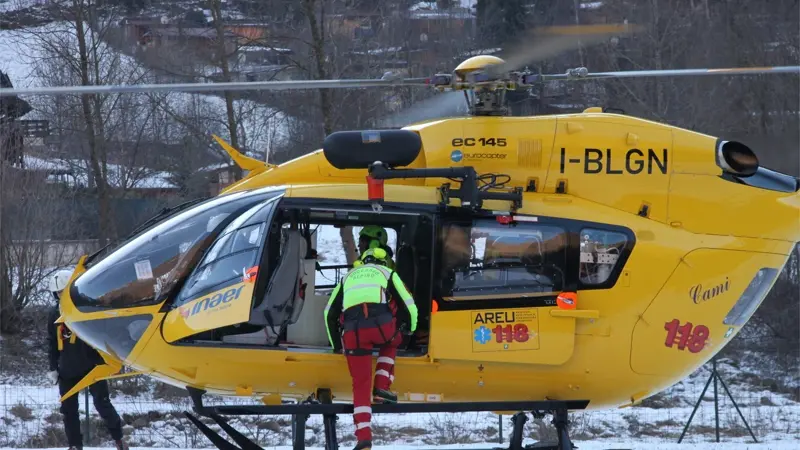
<point x="358" y="345"/>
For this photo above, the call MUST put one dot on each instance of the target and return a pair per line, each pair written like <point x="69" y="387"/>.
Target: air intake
<point x="736" y="158"/>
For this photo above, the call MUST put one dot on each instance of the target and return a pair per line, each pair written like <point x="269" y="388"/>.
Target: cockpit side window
<point x="485" y="259"/>
<point x="235" y="253"/>
<point x="145" y="270"/>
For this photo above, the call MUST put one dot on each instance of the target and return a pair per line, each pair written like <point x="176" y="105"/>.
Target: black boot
<point x="363" y="445"/>
<point x="383" y="396"/>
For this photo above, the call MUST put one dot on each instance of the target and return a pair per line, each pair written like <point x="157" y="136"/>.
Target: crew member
<point x="365" y="306"/>
<point x="373" y="236"/>
<point x="71" y="359"/>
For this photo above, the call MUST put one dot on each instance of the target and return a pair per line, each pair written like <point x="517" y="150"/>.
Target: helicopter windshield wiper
<point x="91" y="257"/>
<point x="164" y="213"/>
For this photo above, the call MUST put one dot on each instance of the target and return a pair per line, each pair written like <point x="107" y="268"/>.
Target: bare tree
<point x="72" y="51"/>
<point x="32" y="211"/>
<point x="222" y="55"/>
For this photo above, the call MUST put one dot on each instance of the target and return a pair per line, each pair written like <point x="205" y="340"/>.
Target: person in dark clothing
<point x="71" y="359"/>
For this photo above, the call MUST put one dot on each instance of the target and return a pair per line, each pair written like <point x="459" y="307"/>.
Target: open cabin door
<point x="220" y="290"/>
<point x="497" y="286"/>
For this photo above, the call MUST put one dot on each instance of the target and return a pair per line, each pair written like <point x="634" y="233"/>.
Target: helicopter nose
<point x="115" y="336"/>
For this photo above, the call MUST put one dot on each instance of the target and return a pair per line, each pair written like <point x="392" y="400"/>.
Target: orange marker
<point x="567" y="300"/>
<point x="250" y="274"/>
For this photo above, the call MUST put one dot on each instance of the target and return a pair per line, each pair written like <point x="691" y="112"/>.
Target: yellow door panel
<point x="622" y="165"/>
<point x="528" y="335"/>
<point x="686" y="321"/>
<point x="437" y="138"/>
<point x="711" y="205"/>
<point x="227" y="306"/>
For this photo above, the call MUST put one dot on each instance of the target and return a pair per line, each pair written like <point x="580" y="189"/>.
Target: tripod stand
<point x="716" y="377"/>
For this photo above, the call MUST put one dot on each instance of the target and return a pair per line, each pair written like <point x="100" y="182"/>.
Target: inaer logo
<point x="211" y="302"/>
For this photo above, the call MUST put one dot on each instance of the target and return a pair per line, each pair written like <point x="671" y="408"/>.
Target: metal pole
<point x="716" y="397"/>
<point x="500" y="439"/>
<point x="696" y="405"/>
<point x="737" y="408"/>
<point x="86" y="422"/>
<point x="576" y="6"/>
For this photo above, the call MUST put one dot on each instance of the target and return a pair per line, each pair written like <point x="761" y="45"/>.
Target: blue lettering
<point x="196" y="308"/>
<point x="212" y="302"/>
<point x="230" y="295"/>
<point x="216" y="300"/>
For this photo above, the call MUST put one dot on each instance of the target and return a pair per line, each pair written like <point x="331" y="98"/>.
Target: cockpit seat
<point x="284" y="298"/>
<point x="406" y="266"/>
<point x="285" y="294"/>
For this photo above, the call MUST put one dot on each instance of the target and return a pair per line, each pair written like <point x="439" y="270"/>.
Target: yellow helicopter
<point x="565" y="262"/>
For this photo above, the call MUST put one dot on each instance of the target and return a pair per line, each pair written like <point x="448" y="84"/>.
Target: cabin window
<point x="485" y="259"/>
<point x="331" y="251"/>
<point x="236" y="252"/>
<point x="600" y="254"/>
<point x="145" y="270"/>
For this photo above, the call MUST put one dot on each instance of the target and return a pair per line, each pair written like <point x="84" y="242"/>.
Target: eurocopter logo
<point x="211" y="302"/>
<point x="458" y="155"/>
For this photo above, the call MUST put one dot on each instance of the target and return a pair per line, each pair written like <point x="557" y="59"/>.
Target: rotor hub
<point x="475" y="63"/>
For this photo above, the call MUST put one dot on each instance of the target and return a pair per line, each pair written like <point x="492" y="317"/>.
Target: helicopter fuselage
<point x="670" y="239"/>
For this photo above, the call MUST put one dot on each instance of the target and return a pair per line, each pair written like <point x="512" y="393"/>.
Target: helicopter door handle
<point x="576" y="313"/>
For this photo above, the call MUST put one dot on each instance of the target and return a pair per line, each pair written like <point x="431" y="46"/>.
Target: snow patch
<point x="15" y="5"/>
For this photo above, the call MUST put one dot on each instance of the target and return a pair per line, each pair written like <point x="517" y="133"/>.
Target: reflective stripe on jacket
<point x="369" y="283"/>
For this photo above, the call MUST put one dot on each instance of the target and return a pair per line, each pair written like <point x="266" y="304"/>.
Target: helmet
<point x="59" y="280"/>
<point x="377" y="235"/>
<point x="373" y="256"/>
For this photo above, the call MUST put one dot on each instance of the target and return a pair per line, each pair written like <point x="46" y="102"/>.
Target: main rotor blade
<point x="446" y="104"/>
<point x="543" y="43"/>
<point x="215" y="87"/>
<point x="573" y="75"/>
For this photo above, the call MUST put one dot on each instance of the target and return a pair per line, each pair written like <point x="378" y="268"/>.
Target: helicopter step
<point x="321" y="403"/>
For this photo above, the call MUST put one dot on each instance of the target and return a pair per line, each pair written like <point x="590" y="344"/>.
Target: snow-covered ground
<point x="14" y="5"/>
<point x="154" y="418"/>
<point x="580" y="445"/>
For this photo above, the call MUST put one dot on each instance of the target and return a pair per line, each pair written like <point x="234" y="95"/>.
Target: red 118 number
<point x="519" y="333"/>
<point x="685" y="336"/>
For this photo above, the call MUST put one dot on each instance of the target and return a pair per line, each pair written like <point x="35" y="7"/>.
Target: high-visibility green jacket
<point x="369" y="283"/>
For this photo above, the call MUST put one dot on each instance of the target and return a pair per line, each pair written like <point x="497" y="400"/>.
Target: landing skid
<point x="322" y="404"/>
<point x="559" y="420"/>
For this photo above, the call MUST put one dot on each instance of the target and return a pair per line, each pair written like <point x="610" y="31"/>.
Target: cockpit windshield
<point x="145" y="270"/>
